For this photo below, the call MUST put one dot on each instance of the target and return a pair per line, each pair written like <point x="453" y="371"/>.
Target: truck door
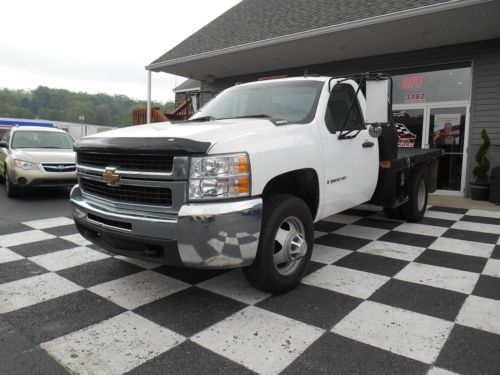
<point x="351" y="163"/>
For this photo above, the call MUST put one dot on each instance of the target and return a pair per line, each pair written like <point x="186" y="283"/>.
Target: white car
<point x="33" y="156"/>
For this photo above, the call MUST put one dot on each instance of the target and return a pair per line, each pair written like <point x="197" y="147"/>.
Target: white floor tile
<point x="359" y="231"/>
<point x="318" y="234"/>
<point x="440" y="371"/>
<point x="342" y="218"/>
<point x="7" y="255"/>
<point x="138" y="289"/>
<point x="49" y="223"/>
<point x="481" y="313"/>
<point x="492" y="268"/>
<point x="345" y="280"/>
<point x="403" y="332"/>
<point x="392" y="250"/>
<point x="233" y="284"/>
<point x="112" y="346"/>
<point x="415" y="228"/>
<point x="139" y="262"/>
<point x="484" y="213"/>
<point x="452" y="245"/>
<point x="60" y="260"/>
<point x="77" y="239"/>
<point x="439" y="277"/>
<point x="26" y="292"/>
<point x="477" y="227"/>
<point x="443" y="215"/>
<point x="328" y="254"/>
<point x="258" y="339"/>
<point x="21" y="238"/>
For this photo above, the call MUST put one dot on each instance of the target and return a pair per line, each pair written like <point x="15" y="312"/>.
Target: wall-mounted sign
<point x="405" y="137"/>
<point x="412" y="82"/>
<point x="418" y="97"/>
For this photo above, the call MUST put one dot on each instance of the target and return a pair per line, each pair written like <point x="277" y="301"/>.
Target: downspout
<point x="148" y="107"/>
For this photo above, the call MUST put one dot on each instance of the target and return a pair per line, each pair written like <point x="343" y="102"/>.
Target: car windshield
<point x="293" y="101"/>
<point x="41" y="139"/>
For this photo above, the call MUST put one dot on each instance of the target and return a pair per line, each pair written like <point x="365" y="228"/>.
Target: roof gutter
<point x="452" y="4"/>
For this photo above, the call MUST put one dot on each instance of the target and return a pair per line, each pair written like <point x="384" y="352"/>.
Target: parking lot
<point x="381" y="297"/>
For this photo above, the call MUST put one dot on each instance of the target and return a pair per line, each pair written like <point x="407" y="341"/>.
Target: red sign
<point x="412" y="82"/>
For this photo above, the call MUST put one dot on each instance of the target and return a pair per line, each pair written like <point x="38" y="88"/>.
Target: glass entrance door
<point x="447" y="130"/>
<point x="438" y="125"/>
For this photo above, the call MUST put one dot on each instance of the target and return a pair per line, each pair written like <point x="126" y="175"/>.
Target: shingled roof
<point x="258" y="20"/>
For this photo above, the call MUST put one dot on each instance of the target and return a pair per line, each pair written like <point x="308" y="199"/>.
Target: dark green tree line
<point x="63" y="105"/>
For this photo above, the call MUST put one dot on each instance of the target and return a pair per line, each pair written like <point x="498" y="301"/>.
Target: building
<point x="444" y="56"/>
<point x="76" y="130"/>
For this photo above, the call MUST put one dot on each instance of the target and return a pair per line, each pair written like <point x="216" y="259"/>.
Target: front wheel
<point x="11" y="190"/>
<point x="414" y="209"/>
<point x="285" y="245"/>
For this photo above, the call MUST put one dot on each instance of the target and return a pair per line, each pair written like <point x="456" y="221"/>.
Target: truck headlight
<point x="219" y="176"/>
<point x="26" y="165"/>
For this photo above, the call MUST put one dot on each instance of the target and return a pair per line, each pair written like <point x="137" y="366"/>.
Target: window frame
<point x="353" y="106"/>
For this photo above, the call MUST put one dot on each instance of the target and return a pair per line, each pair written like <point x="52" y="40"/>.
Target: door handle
<point x="368" y="144"/>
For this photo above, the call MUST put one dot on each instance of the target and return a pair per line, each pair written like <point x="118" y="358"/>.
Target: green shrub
<point x="480" y="171"/>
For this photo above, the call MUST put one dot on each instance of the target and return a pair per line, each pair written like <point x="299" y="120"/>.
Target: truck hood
<point x="187" y="137"/>
<point x="44" y="155"/>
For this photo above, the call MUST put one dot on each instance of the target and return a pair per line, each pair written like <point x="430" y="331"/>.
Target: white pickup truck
<point x="241" y="183"/>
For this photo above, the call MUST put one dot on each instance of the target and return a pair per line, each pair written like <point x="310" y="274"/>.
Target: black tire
<point x="414" y="209"/>
<point x="392" y="213"/>
<point x="12" y="191"/>
<point x="263" y="273"/>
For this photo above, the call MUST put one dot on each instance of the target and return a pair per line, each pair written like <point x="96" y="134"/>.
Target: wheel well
<point x="302" y="183"/>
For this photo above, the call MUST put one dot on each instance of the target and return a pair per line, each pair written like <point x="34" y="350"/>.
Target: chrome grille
<point x="150" y="195"/>
<point x="59" y="167"/>
<point x="152" y="163"/>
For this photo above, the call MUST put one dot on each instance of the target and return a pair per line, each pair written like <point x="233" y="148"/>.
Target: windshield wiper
<point x="248" y="116"/>
<point x="201" y="119"/>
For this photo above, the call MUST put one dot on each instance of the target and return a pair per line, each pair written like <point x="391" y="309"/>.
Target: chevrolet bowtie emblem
<point x="110" y="177"/>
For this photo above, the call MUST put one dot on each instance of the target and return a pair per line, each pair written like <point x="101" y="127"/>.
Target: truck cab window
<point x="337" y="110"/>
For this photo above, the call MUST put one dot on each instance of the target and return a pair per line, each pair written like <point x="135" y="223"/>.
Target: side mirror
<point x="4" y="144"/>
<point x="378" y="101"/>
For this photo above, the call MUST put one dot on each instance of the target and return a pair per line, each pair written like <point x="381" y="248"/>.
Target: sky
<point x="97" y="46"/>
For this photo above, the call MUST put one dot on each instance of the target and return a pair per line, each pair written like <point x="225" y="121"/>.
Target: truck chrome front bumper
<point x="204" y="235"/>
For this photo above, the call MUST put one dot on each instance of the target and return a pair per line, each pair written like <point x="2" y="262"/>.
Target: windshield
<point x="41" y="139"/>
<point x="294" y="101"/>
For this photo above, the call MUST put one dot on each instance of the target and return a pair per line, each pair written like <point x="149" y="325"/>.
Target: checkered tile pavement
<point x="381" y="297"/>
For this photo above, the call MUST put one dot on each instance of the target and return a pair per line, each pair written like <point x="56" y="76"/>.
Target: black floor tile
<point x="411" y="239"/>
<point x="437" y="222"/>
<point x="189" y="358"/>
<point x="190" y="311"/>
<point x="42" y="247"/>
<point x="452" y="210"/>
<point x="64" y="230"/>
<point x="98" y="272"/>
<point x="469" y="235"/>
<point x="488" y="287"/>
<point x="471" y="351"/>
<point x="337" y="355"/>
<point x="358" y="212"/>
<point x="327" y="226"/>
<point x="189" y="275"/>
<point x="437" y="302"/>
<point x="378" y="223"/>
<point x="343" y="242"/>
<point x="19" y="269"/>
<point x="496" y="252"/>
<point x="311" y="305"/>
<point x="452" y="260"/>
<point x="20" y="356"/>
<point x="60" y="316"/>
<point x="481" y="219"/>
<point x="313" y="267"/>
<point x="372" y="263"/>
<point x="8" y="227"/>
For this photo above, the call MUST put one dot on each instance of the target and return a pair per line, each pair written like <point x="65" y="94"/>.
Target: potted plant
<point x="480" y="189"/>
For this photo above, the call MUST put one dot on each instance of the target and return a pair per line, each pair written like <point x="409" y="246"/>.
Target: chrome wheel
<point x="421" y="195"/>
<point x="290" y="246"/>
